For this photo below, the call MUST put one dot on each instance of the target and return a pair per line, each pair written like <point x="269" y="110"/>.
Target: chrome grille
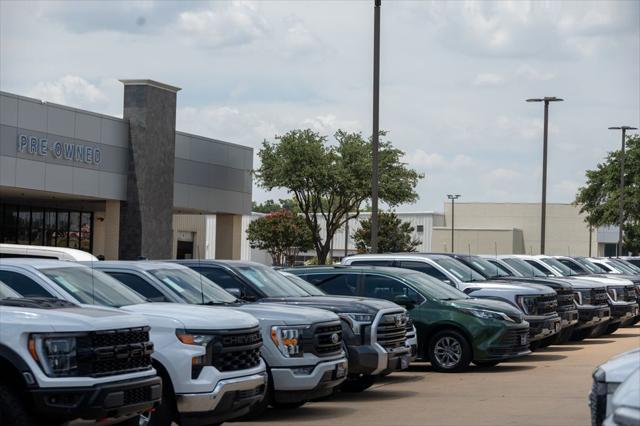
<point x="392" y="331"/>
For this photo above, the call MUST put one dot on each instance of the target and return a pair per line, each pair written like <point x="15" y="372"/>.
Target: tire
<point x="564" y="336"/>
<point x="12" y="410"/>
<point x="486" y="364"/>
<point x="580" y="335"/>
<point x="612" y="328"/>
<point x="165" y="413"/>
<point x="600" y="330"/>
<point x="449" y="351"/>
<point x="258" y="409"/>
<point x="358" y="384"/>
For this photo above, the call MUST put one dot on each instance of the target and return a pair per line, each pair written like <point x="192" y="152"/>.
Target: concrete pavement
<point x="549" y="387"/>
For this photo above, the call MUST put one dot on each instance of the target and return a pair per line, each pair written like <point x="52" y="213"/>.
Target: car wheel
<point x="612" y="328"/>
<point x="12" y="409"/>
<point x="165" y="412"/>
<point x="358" y="384"/>
<point x="449" y="351"/>
<point x="486" y="364"/>
<point x="579" y="335"/>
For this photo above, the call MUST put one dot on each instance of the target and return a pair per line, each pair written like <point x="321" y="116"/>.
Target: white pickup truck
<point x="61" y="362"/>
<point x="208" y="357"/>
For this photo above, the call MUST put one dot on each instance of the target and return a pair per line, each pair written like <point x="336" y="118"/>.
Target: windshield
<point x="192" y="287"/>
<point x="270" y="282"/>
<point x="304" y="285"/>
<point x="588" y="265"/>
<point x="622" y="266"/>
<point x="511" y="272"/>
<point x="634" y="268"/>
<point x="433" y="288"/>
<point x="525" y="269"/>
<point x="6" y="291"/>
<point x="557" y="265"/>
<point x="488" y="269"/>
<point x="93" y="287"/>
<point x="459" y="270"/>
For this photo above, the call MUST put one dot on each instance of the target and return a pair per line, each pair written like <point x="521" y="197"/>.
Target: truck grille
<point x="565" y="299"/>
<point x="137" y="395"/>
<point x="237" y="350"/>
<point x="629" y="294"/>
<point x="547" y="304"/>
<point x="392" y="331"/>
<point x="409" y="328"/>
<point x="598" y="296"/>
<point x="327" y="340"/>
<point x="111" y="352"/>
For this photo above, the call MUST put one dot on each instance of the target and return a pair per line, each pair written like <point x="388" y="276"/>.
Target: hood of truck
<point x="196" y="316"/>
<point x="618" y="368"/>
<point x="275" y="313"/>
<point x="491" y="287"/>
<point x="604" y="280"/>
<point x="339" y="304"/>
<point x="493" y="305"/>
<point x="549" y="282"/>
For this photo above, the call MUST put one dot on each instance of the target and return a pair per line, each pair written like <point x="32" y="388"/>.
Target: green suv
<point x="453" y="328"/>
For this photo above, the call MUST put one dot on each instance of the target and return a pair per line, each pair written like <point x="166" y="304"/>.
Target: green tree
<point x="271" y="206"/>
<point x="330" y="182"/>
<point x="599" y="198"/>
<point x="395" y="235"/>
<point x="282" y="234"/>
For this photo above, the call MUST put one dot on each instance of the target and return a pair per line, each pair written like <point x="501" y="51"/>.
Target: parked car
<point x="412" y="338"/>
<point x="453" y="328"/>
<point x="8" y="251"/>
<point x="538" y="303"/>
<point x="634" y="260"/>
<point x="565" y="306"/>
<point x="374" y="330"/>
<point x="625" y="405"/>
<point x="303" y="347"/>
<point x="607" y="378"/>
<point x="61" y="362"/>
<point x="208" y="357"/>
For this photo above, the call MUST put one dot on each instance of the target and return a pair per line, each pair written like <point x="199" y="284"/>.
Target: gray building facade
<point x="74" y="178"/>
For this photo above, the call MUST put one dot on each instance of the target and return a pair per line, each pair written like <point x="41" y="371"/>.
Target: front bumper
<point x="541" y="327"/>
<point x="296" y="386"/>
<point x="229" y="399"/>
<point x="592" y="315"/>
<point x="512" y="343"/>
<point x="112" y="400"/>
<point x="623" y="311"/>
<point x="569" y="318"/>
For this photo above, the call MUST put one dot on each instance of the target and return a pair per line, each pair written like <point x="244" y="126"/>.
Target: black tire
<point x="486" y="364"/>
<point x="258" y="409"/>
<point x="599" y="330"/>
<point x="166" y="412"/>
<point x="13" y="410"/>
<point x="451" y="346"/>
<point x="564" y="336"/>
<point x="358" y="384"/>
<point x="580" y="335"/>
<point x="612" y="328"/>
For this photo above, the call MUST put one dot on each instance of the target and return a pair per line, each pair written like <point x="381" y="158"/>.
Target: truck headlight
<point x="203" y="340"/>
<point x="288" y="340"/>
<point x="528" y="304"/>
<point x="56" y="354"/>
<point x="582" y="297"/>
<point x="613" y="293"/>
<point x="356" y="321"/>
<point x="486" y="314"/>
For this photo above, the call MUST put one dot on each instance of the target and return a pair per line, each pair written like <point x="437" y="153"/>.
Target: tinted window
<point x="191" y="286"/>
<point x="332" y="283"/>
<point x="270" y="282"/>
<point x="572" y="265"/>
<point x="487" y="269"/>
<point x="525" y="269"/>
<point x="539" y="267"/>
<point x="459" y="269"/>
<point x="501" y="267"/>
<point x="382" y="287"/>
<point x="563" y="269"/>
<point x="305" y="285"/>
<point x="425" y="268"/>
<point x="224" y="279"/>
<point x="372" y="262"/>
<point x="23" y="285"/>
<point x="603" y="266"/>
<point x="139" y="285"/>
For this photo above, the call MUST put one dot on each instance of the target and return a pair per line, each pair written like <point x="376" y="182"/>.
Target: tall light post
<point x="453" y="199"/>
<point x="543" y="219"/>
<point x="375" y="136"/>
<point x="621" y="218"/>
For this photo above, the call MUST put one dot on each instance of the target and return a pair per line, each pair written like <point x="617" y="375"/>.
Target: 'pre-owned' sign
<point x="70" y="151"/>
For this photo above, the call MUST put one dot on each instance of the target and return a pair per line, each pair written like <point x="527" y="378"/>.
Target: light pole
<point x="453" y="199"/>
<point x="621" y="218"/>
<point x="376" y="116"/>
<point x="543" y="215"/>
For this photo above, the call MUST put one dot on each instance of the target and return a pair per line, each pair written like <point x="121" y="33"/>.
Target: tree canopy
<point x="599" y="198"/>
<point x="330" y="182"/>
<point x="394" y="235"/>
<point x="282" y="234"/>
<point x="271" y="206"/>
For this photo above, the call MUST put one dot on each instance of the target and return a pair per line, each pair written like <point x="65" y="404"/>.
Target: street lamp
<point x="376" y="117"/>
<point x="453" y="199"/>
<point x="546" y="101"/>
<point x="621" y="218"/>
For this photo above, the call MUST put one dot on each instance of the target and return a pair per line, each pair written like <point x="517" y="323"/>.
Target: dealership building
<point x="112" y="186"/>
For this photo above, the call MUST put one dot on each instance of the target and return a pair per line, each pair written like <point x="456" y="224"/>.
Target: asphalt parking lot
<point x="549" y="387"/>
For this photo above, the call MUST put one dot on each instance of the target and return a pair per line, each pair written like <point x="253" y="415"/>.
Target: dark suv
<point x="374" y="331"/>
<point x="453" y="328"/>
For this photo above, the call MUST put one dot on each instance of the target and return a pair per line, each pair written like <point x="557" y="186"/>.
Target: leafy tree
<point x="600" y="197"/>
<point x="282" y="234"/>
<point x="330" y="182"/>
<point x="270" y="206"/>
<point x="394" y="235"/>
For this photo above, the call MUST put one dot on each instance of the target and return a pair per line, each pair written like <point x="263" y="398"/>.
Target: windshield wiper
<point x="211" y="303"/>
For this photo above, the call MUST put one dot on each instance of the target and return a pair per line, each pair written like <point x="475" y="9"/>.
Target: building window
<point x="50" y="227"/>
<point x="420" y="228"/>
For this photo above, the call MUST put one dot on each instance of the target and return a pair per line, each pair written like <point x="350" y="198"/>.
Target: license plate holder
<point x="404" y="362"/>
<point x="340" y="371"/>
<point x="524" y="339"/>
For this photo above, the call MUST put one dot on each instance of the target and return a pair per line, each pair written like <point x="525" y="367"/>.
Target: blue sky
<point x="454" y="77"/>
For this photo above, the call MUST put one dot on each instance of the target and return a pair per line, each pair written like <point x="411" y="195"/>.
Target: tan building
<point x="503" y="228"/>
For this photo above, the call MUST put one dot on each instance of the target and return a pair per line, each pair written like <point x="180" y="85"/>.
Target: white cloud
<point x="488" y="79"/>
<point x="531" y="73"/>
<point x="328" y="124"/>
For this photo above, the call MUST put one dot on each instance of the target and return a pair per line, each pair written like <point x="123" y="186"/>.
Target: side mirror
<point x="235" y="292"/>
<point x="404" y="300"/>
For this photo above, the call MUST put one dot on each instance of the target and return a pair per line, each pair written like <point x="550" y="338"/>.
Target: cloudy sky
<point x="454" y="77"/>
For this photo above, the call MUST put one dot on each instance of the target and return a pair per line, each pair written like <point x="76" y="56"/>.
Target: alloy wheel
<point x="448" y="352"/>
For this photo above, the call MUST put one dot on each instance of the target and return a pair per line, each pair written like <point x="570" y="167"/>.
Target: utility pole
<point x="375" y="137"/>
<point x="621" y="217"/>
<point x="543" y="214"/>
<point x="453" y="199"/>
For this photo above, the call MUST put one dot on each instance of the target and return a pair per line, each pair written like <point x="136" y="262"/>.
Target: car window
<point x="139" y="285"/>
<point x="501" y="267"/>
<point x="23" y="285"/>
<point x="301" y="282"/>
<point x="366" y="262"/>
<point x="225" y="279"/>
<point x="383" y="287"/>
<point x="335" y="283"/>
<point x="603" y="266"/>
<point x="486" y="268"/>
<point x="459" y="270"/>
<point x="270" y="282"/>
<point x="540" y="267"/>
<point x="524" y="268"/>
<point x="425" y="268"/>
<point x="588" y="265"/>
<point x="191" y="286"/>
<point x="572" y="265"/>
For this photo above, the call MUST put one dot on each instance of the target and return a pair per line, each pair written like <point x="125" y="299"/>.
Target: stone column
<point x="146" y="215"/>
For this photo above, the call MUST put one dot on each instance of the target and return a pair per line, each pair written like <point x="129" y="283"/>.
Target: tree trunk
<point x="322" y="251"/>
